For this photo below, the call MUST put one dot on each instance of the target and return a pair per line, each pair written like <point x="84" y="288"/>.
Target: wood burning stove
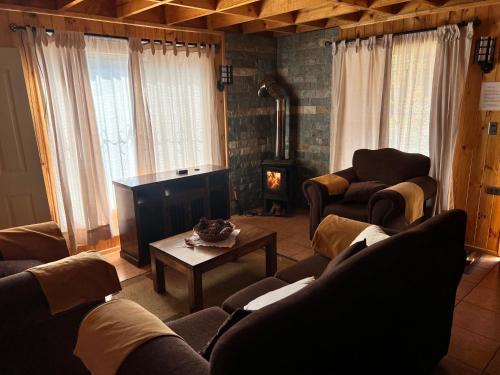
<point x="278" y="174"/>
<point x="278" y="178"/>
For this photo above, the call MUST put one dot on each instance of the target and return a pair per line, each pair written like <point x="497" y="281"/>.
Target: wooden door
<point x="23" y="199"/>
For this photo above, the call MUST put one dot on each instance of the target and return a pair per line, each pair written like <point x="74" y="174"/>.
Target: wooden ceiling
<point x="279" y="17"/>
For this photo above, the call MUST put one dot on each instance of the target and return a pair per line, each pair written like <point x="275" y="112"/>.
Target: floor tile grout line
<point x="463" y="363"/>
<point x="491" y="359"/>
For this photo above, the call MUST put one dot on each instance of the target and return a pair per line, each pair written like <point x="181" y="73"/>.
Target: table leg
<point x="195" y="290"/>
<point x="158" y="270"/>
<point x="271" y="257"/>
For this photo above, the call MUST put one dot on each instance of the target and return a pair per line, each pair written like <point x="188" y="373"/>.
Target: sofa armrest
<point x="164" y="355"/>
<point x="317" y="197"/>
<point x="43" y="242"/>
<point x="427" y="184"/>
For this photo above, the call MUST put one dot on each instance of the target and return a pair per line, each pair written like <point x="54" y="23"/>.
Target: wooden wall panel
<point x="477" y="157"/>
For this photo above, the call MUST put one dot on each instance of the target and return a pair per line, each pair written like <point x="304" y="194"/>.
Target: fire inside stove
<point x="273" y="180"/>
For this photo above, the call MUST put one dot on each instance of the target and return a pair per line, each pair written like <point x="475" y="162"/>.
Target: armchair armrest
<point x="164" y="355"/>
<point x="43" y="242"/>
<point x="317" y="197"/>
<point x="386" y="205"/>
<point x="427" y="184"/>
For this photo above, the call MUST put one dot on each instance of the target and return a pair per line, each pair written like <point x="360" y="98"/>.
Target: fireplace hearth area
<point x="278" y="177"/>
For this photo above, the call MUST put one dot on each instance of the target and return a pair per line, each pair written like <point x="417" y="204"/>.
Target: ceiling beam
<point x="127" y="8"/>
<point x="273" y="7"/>
<point x="346" y="19"/>
<point x="107" y="20"/>
<point x="222" y="20"/>
<point x="66" y="4"/>
<point x="195" y="4"/>
<point x="175" y="14"/>
<point x="258" y="26"/>
<point x="336" y="9"/>
<point x="424" y="12"/>
<point x="229" y="4"/>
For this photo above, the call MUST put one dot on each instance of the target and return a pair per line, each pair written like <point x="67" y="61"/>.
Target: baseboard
<point x="480" y="250"/>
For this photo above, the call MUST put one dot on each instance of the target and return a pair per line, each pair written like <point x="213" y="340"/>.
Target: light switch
<point x="492" y="128"/>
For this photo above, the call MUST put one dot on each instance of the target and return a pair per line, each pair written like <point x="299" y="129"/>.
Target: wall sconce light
<point x="225" y="76"/>
<point x="485" y="53"/>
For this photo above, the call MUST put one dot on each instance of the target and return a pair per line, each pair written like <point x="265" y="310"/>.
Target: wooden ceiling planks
<point x="251" y="16"/>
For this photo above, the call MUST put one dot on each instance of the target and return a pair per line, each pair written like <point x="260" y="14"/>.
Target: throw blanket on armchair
<point x="413" y="196"/>
<point x="76" y="280"/>
<point x="335" y="234"/>
<point x="334" y="183"/>
<point x="110" y="332"/>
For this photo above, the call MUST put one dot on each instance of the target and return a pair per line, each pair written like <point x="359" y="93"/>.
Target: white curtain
<point x="146" y="163"/>
<point x="82" y="199"/>
<point x="412" y="71"/>
<point x="450" y="72"/>
<point x="360" y="93"/>
<point x="111" y="91"/>
<point x="178" y="87"/>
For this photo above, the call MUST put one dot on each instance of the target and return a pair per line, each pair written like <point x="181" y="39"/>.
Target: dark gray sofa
<point x="386" y="310"/>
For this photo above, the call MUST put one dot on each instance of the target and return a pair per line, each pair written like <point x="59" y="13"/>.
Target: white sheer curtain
<point x="412" y="71"/>
<point x="450" y="73"/>
<point x="179" y="92"/>
<point x="108" y="66"/>
<point x="82" y="199"/>
<point x="360" y="92"/>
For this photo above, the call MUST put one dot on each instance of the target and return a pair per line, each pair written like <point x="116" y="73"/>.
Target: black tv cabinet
<point x="155" y="206"/>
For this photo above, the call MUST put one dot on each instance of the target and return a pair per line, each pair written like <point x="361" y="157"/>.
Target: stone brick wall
<point x="304" y="67"/>
<point x="250" y="118"/>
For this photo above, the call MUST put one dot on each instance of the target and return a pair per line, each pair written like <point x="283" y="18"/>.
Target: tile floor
<point x="475" y="340"/>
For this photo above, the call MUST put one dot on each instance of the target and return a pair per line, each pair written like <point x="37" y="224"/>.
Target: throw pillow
<point x="372" y="234"/>
<point x="234" y="318"/>
<point x="343" y="256"/>
<point x="361" y="192"/>
<point x="278" y="294"/>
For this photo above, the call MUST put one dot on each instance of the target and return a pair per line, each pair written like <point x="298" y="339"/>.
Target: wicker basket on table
<point x="213" y="230"/>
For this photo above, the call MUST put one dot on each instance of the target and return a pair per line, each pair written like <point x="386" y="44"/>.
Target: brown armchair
<point x="384" y="207"/>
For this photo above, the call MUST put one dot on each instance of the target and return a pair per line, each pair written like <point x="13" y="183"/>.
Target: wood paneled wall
<point x="477" y="155"/>
<point x="104" y="27"/>
<point x="476" y="163"/>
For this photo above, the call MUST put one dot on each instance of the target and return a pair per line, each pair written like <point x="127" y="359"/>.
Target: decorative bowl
<point x="213" y="230"/>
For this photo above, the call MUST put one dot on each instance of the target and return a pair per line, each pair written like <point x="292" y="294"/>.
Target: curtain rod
<point x="14" y="27"/>
<point x="475" y="22"/>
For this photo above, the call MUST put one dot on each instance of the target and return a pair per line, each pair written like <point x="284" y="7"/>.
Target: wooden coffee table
<point x="195" y="261"/>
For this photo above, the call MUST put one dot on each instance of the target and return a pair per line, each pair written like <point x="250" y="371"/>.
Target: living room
<point x="189" y="185"/>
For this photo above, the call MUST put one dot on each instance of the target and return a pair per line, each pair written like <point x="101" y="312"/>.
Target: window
<point x="412" y="71"/>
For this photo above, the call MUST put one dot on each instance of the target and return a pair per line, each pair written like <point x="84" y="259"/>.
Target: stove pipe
<point x="271" y="88"/>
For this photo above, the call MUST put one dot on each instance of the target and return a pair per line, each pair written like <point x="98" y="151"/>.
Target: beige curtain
<point x="450" y="73"/>
<point x="73" y="137"/>
<point x="360" y="95"/>
<point x="26" y="46"/>
<point x="142" y="121"/>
